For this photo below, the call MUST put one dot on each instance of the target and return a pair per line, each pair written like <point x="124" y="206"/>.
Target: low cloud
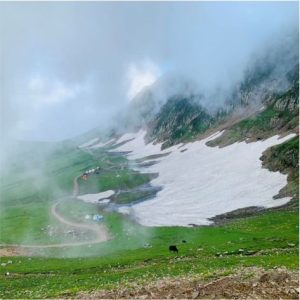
<point x="50" y="92"/>
<point x="141" y="76"/>
<point x="67" y="67"/>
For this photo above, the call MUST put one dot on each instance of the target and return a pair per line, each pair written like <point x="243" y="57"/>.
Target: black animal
<point x="184" y="241"/>
<point x="173" y="248"/>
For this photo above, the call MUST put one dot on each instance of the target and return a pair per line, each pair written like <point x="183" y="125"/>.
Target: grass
<point x="285" y="159"/>
<point x="133" y="196"/>
<point x="255" y="126"/>
<point x="99" y="273"/>
<point x="76" y="210"/>
<point x="29" y="190"/>
<point x="285" y="156"/>
<point x="114" y="179"/>
<point x="28" y="193"/>
<point x="180" y="119"/>
<point x="271" y="236"/>
<point x="263" y="125"/>
<point x="53" y="277"/>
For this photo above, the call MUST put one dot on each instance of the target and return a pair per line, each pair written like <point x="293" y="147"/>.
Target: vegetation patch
<point x="114" y="179"/>
<point x="180" y="119"/>
<point x="279" y="116"/>
<point x="285" y="159"/>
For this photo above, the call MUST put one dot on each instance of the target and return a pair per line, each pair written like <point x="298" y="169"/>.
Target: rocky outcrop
<point x="179" y="118"/>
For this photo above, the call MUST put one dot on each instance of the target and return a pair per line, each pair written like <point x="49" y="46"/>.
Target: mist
<point x="69" y="67"/>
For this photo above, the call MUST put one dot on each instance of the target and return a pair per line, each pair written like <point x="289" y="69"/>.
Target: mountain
<point x="179" y="118"/>
<point x="182" y="137"/>
<point x="263" y="104"/>
<point x="173" y="110"/>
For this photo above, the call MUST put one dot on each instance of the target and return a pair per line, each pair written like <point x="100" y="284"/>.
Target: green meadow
<point x="133" y="252"/>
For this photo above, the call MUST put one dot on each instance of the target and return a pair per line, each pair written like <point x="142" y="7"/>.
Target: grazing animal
<point x="173" y="248"/>
<point x="184" y="241"/>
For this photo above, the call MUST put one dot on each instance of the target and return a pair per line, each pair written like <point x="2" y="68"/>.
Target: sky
<point x="67" y="67"/>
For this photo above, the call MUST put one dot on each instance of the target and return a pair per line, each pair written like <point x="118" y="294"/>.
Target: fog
<point x="69" y="67"/>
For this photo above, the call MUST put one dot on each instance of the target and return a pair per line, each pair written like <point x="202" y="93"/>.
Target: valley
<point x="123" y="245"/>
<point x="149" y="150"/>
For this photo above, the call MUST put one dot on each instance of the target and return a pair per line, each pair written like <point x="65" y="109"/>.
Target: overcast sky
<point x="67" y="67"/>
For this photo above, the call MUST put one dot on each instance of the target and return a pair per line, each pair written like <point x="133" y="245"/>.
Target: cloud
<point x="70" y="66"/>
<point x="140" y="76"/>
<point x="42" y="91"/>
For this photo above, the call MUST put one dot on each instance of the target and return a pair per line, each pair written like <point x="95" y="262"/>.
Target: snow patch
<point x="89" y="143"/>
<point x="203" y="181"/>
<point x="127" y="136"/>
<point x="138" y="148"/>
<point x="101" y="144"/>
<point x="96" y="198"/>
<point x="104" y="201"/>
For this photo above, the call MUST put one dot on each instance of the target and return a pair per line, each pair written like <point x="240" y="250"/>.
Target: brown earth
<point x="246" y="283"/>
<point x="13" y="251"/>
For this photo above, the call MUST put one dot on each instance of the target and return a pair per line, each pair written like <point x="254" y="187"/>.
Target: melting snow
<point x="95" y="198"/>
<point x="125" y="137"/>
<point x="203" y="181"/>
<point x="101" y="144"/>
<point x="138" y="147"/>
<point x="89" y="143"/>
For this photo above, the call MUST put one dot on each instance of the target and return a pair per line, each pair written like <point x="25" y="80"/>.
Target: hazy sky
<point x="67" y="67"/>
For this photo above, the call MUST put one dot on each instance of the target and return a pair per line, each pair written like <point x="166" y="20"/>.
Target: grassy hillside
<point x="285" y="159"/>
<point x="28" y="192"/>
<point x="208" y="251"/>
<point x="134" y="254"/>
<point x="179" y="119"/>
<point x="280" y="115"/>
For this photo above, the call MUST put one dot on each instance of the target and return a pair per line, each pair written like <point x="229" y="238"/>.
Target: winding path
<point x="75" y="186"/>
<point x="99" y="230"/>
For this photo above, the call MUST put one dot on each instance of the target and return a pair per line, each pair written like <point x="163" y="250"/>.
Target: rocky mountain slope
<point x="176" y="133"/>
<point x="256" y="110"/>
<point x="179" y="118"/>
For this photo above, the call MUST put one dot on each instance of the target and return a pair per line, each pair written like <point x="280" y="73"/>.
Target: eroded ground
<point x="246" y="283"/>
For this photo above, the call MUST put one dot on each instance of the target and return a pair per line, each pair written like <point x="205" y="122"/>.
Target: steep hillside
<point x="279" y="115"/>
<point x="285" y="159"/>
<point x="264" y="104"/>
<point x="178" y="120"/>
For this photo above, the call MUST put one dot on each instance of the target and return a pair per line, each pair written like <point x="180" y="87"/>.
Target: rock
<point x="281" y="277"/>
<point x="195" y="294"/>
<point x="265" y="277"/>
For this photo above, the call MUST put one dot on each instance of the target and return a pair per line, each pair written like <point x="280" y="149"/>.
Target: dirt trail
<point x="99" y="230"/>
<point x="75" y="186"/>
